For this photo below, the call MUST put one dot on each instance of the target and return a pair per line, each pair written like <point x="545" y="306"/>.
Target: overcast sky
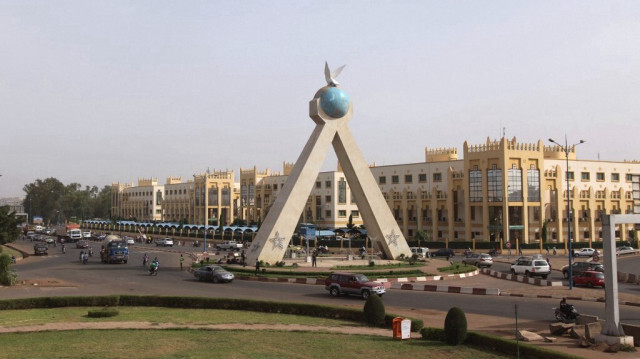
<point x="100" y="91"/>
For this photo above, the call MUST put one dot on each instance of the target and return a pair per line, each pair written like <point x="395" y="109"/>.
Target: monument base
<point x="611" y="340"/>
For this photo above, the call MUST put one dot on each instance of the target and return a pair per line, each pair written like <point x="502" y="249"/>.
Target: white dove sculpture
<point x="331" y="75"/>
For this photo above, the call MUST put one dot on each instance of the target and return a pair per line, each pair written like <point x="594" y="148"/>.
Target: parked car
<point x="49" y="240"/>
<point x="443" y="252"/>
<point x="130" y="240"/>
<point x="82" y="244"/>
<point x="478" y="260"/>
<point x="40" y="249"/>
<point x="216" y="274"/>
<point x="625" y="250"/>
<point x="421" y="252"/>
<point x="578" y="267"/>
<point x="86" y="235"/>
<point x="586" y="252"/>
<point x="164" y="242"/>
<point x="530" y="267"/>
<point x="351" y="283"/>
<point x="589" y="278"/>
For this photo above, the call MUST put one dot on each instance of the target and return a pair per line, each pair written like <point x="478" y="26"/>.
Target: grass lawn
<point x="11" y="252"/>
<point x="457" y="268"/>
<point x="379" y="266"/>
<point x="222" y="344"/>
<point x="10" y="318"/>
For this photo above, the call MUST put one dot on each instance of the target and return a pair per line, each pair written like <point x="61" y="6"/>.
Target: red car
<point x="590" y="279"/>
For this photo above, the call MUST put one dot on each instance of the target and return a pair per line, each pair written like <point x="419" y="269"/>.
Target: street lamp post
<point x="565" y="149"/>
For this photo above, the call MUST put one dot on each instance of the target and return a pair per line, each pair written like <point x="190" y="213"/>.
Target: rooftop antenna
<point x="503" y="131"/>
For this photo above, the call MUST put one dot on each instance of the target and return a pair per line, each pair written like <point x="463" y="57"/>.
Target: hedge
<point x="492" y="343"/>
<point x="380" y="273"/>
<point x="312" y="310"/>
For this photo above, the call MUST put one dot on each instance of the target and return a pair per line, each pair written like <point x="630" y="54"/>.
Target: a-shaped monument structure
<point x="331" y="110"/>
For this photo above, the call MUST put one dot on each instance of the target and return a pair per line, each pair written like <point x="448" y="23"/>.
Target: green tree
<point x="544" y="232"/>
<point x="350" y="223"/>
<point x="9" y="225"/>
<point x="420" y="235"/>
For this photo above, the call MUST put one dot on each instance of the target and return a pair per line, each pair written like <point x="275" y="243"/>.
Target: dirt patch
<point x="43" y="282"/>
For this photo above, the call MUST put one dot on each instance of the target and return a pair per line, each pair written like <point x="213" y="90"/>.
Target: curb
<point x="450" y="289"/>
<point x="520" y="278"/>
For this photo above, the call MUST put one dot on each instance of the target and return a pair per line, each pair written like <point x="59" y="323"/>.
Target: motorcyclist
<point x="85" y="258"/>
<point x="154" y="265"/>
<point x="64" y="249"/>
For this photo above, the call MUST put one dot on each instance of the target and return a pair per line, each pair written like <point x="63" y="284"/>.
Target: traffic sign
<point x="508" y="245"/>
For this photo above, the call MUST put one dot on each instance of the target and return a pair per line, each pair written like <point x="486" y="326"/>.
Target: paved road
<point x="132" y="278"/>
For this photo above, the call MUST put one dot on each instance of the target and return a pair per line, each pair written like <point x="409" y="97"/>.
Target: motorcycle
<point x="566" y="313"/>
<point x="493" y="252"/>
<point x="467" y="252"/>
<point x="153" y="270"/>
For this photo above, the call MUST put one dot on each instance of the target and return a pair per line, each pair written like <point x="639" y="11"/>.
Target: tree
<point x="9" y="225"/>
<point x="350" y="223"/>
<point x="420" y="235"/>
<point x="544" y="232"/>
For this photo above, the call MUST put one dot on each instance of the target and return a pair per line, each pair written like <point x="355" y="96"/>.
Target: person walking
<point x="314" y="257"/>
<point x="244" y="258"/>
<point x="181" y="260"/>
<point x="257" y="266"/>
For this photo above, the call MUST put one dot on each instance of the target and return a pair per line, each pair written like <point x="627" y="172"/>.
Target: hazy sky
<point x="100" y="91"/>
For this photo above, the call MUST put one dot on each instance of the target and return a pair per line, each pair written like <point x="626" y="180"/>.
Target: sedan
<point x="625" y="250"/>
<point x="586" y="252"/>
<point x="82" y="244"/>
<point x="443" y="252"/>
<point x="216" y="274"/>
<point x="478" y="260"/>
<point x="590" y="279"/>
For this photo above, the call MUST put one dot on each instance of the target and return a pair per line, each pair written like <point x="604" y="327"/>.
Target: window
<point x="533" y="185"/>
<point x="570" y="175"/>
<point x="382" y="180"/>
<point x="629" y="177"/>
<point x="584" y="176"/>
<point x="494" y="184"/>
<point x="318" y="184"/>
<point x="515" y="184"/>
<point x="475" y="185"/>
<point x="599" y="176"/>
<point x="327" y="199"/>
<point x="327" y="213"/>
<point x="327" y="184"/>
<point x="355" y="214"/>
<point x="318" y="200"/>
<point x="342" y="213"/>
<point x="437" y="177"/>
<point x="342" y="191"/>
<point x="408" y="178"/>
<point x="615" y="177"/>
<point x="422" y="177"/>
<point x="394" y="179"/>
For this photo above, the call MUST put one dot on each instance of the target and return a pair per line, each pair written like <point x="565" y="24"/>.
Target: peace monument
<point x="331" y="110"/>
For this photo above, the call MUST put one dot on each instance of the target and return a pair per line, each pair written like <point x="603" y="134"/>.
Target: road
<point x="96" y="278"/>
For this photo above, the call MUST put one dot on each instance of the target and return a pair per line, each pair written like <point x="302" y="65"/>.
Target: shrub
<point x="374" y="312"/>
<point x="372" y="263"/>
<point x="435" y="334"/>
<point x="7" y="276"/>
<point x="103" y="313"/>
<point x="455" y="326"/>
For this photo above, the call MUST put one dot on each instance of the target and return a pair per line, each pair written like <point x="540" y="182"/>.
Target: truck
<point x="229" y="245"/>
<point x="114" y="250"/>
<point x="69" y="232"/>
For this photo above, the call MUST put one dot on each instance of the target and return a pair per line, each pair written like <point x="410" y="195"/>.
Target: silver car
<point x="478" y="260"/>
<point x="216" y="274"/>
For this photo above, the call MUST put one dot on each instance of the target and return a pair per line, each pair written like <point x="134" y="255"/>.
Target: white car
<point x="586" y="252"/>
<point x="625" y="250"/>
<point x="130" y="240"/>
<point x="422" y="252"/>
<point x="530" y="266"/>
<point x="165" y="242"/>
<point x="86" y="235"/>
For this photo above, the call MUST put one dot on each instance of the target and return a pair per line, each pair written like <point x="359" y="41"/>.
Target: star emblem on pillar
<point x="277" y="241"/>
<point x="255" y="247"/>
<point x="392" y="238"/>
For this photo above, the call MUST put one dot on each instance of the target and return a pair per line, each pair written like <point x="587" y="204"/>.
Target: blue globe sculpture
<point x="334" y="101"/>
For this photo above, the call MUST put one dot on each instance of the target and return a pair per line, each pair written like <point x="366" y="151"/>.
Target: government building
<point x="500" y="190"/>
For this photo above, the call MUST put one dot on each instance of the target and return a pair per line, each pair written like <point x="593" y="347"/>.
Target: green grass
<point x="12" y="318"/>
<point x="222" y="344"/>
<point x="11" y="252"/>
<point x="379" y="266"/>
<point x="457" y="268"/>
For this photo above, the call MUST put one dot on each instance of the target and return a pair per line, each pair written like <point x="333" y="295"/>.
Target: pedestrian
<point x="181" y="260"/>
<point x="257" y="266"/>
<point x="554" y="250"/>
<point x="520" y="250"/>
<point x="244" y="258"/>
<point x="549" y="263"/>
<point x="314" y="256"/>
<point x="547" y="251"/>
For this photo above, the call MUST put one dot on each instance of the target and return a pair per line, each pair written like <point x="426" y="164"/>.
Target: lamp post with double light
<point x="565" y="149"/>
